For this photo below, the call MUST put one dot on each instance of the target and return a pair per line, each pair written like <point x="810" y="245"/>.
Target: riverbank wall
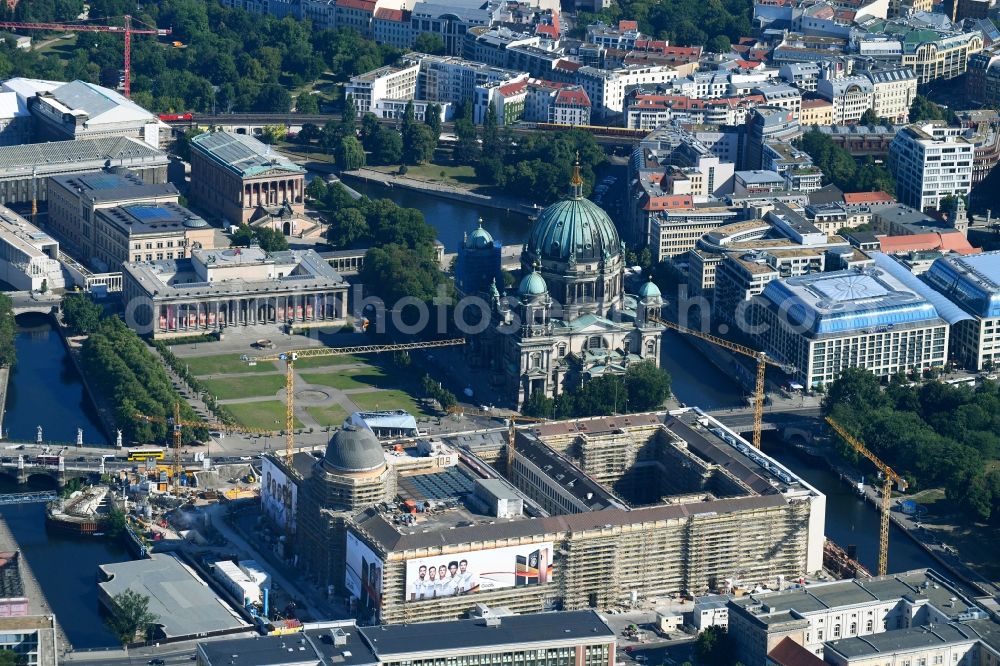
<point x="37" y="603"/>
<point x="950" y="563"/>
<point x="104" y="413"/>
<point x="508" y="204"/>
<point x="4" y="380"/>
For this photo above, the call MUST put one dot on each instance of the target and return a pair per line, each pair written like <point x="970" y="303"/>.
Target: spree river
<point x="45" y="390"/>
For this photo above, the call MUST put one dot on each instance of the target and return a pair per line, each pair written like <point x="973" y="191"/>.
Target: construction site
<point x="599" y="512"/>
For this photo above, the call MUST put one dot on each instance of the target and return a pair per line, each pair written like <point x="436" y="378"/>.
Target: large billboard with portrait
<point x="364" y="578"/>
<point x="277" y="495"/>
<point x="478" y="571"/>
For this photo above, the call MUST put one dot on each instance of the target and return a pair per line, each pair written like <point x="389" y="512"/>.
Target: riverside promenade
<point x="444" y="191"/>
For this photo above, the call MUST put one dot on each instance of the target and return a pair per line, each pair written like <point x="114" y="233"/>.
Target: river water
<point x="452" y="219"/>
<point x="45" y="390"/>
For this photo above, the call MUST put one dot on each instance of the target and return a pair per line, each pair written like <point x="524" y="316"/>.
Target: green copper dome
<point x="574" y="228"/>
<point x="533" y="284"/>
<point x="649" y="290"/>
<point x="479" y="238"/>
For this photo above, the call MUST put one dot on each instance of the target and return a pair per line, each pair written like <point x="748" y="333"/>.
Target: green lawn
<point x="268" y="415"/>
<point x="224" y="363"/>
<point x="333" y="415"/>
<point x="392" y="399"/>
<point x="458" y="176"/>
<point x="325" y="362"/>
<point x="348" y="378"/>
<point x="247" y="386"/>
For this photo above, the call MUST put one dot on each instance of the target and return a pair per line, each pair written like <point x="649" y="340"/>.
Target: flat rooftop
<point x="184" y="603"/>
<point x="177" y="278"/>
<point x="916" y="585"/>
<point x="100" y="186"/>
<point x="849" y="300"/>
<point x="902" y="641"/>
<point x="393" y="642"/>
<point x="147" y="218"/>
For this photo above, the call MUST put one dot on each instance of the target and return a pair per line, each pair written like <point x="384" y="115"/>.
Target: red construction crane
<point x="127" y="29"/>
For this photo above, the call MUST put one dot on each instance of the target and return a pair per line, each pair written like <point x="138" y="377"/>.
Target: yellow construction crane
<point x="763" y="360"/>
<point x="289" y="358"/>
<point x="888" y="478"/>
<point x="512" y="421"/>
<point x="177" y="424"/>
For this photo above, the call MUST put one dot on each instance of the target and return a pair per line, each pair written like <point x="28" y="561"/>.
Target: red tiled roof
<point x="546" y="29"/>
<point x="387" y="14"/>
<point x="363" y="5"/>
<point x="749" y="64"/>
<point x="790" y="653"/>
<point x="854" y="198"/>
<point x="628" y="25"/>
<point x="935" y="240"/>
<point x="576" y="97"/>
<point x="810" y="103"/>
<point x="571" y="65"/>
<point x="757" y="54"/>
<point x="513" y="88"/>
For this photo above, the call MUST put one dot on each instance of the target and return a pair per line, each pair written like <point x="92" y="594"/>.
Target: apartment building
<point x="388" y="82"/>
<point x="930" y="161"/>
<point x="893" y="91"/>
<point x="816" y="112"/>
<point x="850" y="96"/>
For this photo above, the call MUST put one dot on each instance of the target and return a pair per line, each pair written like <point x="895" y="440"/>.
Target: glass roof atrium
<point x="847" y="301"/>
<point x="972" y="281"/>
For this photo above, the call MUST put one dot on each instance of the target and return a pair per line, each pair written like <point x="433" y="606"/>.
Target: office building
<point x="816" y="112"/>
<point x="973" y="283"/>
<point x="236" y="287"/>
<point x="764" y="125"/>
<point x="29" y="257"/>
<point x="615" y="508"/>
<point x="893" y="91"/>
<point x="571" y="638"/>
<point x="887" y="619"/>
<point x="25" y="170"/>
<point x="823" y="323"/>
<point x="385" y="83"/>
<point x="931" y="161"/>
<point x="850" y="96"/>
<point x="240" y="179"/>
<point x="82" y="110"/>
<point x="452" y="20"/>
<point x="146" y="232"/>
<point x="75" y="199"/>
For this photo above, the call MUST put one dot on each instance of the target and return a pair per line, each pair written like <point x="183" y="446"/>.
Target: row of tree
<point x="842" y="169"/>
<point x="8" y="354"/>
<point x="934" y="434"/>
<point x="644" y="387"/>
<point x="133" y="380"/>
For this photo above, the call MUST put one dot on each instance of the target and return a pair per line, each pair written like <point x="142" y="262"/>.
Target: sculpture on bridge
<point x="38" y="435"/>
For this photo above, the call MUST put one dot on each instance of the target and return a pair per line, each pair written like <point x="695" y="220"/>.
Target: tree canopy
<point x="924" y="109"/>
<point x="269" y="240"/>
<point x="130" y="378"/>
<point x="234" y="60"/>
<point x="934" y="434"/>
<point x="644" y="387"/>
<point x="8" y="329"/>
<point x="81" y="314"/>
<point x="130" y="616"/>
<point x="540" y="164"/>
<point x="840" y="168"/>
<point x="684" y="22"/>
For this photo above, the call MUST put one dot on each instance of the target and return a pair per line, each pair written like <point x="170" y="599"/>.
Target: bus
<point x="143" y="453"/>
<point x="47" y="460"/>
